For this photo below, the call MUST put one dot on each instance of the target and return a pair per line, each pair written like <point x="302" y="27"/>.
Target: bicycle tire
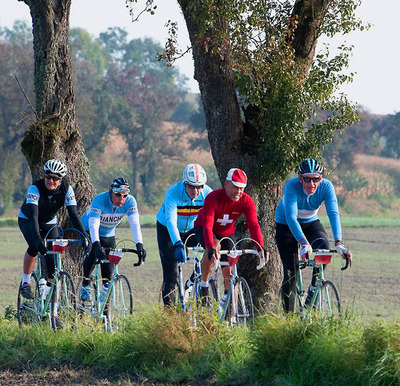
<point x="66" y="305"/>
<point x="327" y="302"/>
<point x="245" y="307"/>
<point x="28" y="310"/>
<point x="119" y="303"/>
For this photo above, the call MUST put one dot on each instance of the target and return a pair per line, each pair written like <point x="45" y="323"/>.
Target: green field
<point x="369" y="289"/>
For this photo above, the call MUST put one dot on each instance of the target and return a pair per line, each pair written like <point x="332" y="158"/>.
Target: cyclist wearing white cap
<point x="175" y="221"/>
<point x="217" y="219"/>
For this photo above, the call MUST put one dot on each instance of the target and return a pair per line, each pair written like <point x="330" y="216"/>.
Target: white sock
<point x="26" y="278"/>
<point x="204" y="283"/>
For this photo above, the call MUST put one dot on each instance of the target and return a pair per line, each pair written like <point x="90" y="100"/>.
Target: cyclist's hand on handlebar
<point x="180" y="252"/>
<point x="263" y="254"/>
<point x="212" y="256"/>
<point x="305" y="251"/>
<point x="98" y="251"/>
<point x="345" y="252"/>
<point x="141" y="251"/>
<point x="41" y="246"/>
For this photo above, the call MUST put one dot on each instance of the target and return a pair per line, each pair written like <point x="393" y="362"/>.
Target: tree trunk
<point x="230" y="144"/>
<point x="55" y="133"/>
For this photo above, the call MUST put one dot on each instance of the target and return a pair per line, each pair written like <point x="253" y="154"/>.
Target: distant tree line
<point x="124" y="98"/>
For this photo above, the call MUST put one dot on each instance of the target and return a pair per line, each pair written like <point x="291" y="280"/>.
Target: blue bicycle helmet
<point x="310" y="166"/>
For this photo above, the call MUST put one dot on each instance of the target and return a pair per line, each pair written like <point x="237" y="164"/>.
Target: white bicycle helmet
<point x="55" y="166"/>
<point x="194" y="175"/>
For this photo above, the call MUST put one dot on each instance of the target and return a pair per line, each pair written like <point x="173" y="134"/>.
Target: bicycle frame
<point x="229" y="309"/>
<point x="322" y="300"/>
<point x="59" y="303"/>
<point x="100" y="310"/>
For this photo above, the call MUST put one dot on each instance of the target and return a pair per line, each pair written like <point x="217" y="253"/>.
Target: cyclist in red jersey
<point x="217" y="219"/>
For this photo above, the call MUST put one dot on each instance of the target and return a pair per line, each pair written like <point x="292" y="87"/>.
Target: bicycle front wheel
<point x="28" y="310"/>
<point x="327" y="301"/>
<point x="66" y="304"/>
<point x="120" y="302"/>
<point x="245" y="308"/>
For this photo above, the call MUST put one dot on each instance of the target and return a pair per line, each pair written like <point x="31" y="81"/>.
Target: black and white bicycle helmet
<point x="310" y="166"/>
<point x="194" y="175"/>
<point x="120" y="185"/>
<point x="55" y="166"/>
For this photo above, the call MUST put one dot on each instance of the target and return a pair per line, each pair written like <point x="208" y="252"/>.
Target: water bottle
<point x="43" y="287"/>
<point x="103" y="292"/>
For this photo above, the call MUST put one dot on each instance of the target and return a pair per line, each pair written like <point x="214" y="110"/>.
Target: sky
<point x="376" y="56"/>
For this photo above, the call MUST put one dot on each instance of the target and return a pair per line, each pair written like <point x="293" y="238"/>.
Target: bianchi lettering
<point x="110" y="220"/>
<point x="95" y="210"/>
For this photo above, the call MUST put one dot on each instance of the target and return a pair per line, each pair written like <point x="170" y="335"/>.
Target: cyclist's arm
<point x="171" y="216"/>
<point x="291" y="213"/>
<point x="73" y="215"/>
<point x="30" y="209"/>
<point x="252" y="222"/>
<point x="133" y="218"/>
<point x="32" y="212"/>
<point x="332" y="210"/>
<point x="94" y="225"/>
<point x="208" y="222"/>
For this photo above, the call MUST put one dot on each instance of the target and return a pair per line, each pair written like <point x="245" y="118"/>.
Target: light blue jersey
<point x="109" y="216"/>
<point x="297" y="207"/>
<point x="178" y="211"/>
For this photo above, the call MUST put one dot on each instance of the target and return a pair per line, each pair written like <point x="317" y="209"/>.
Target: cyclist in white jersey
<point x="101" y="219"/>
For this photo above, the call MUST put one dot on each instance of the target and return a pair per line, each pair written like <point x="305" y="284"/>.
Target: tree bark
<point x="230" y="145"/>
<point x="55" y="134"/>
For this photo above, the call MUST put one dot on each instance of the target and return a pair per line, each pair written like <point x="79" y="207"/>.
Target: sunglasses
<point x="121" y="195"/>
<point x="194" y="187"/>
<point x="53" y="178"/>
<point x="313" y="179"/>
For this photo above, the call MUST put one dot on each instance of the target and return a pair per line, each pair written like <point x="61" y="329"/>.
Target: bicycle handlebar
<point x="303" y="264"/>
<point x="123" y="250"/>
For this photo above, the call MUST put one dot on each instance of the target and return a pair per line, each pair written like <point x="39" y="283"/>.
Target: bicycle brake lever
<point x="347" y="264"/>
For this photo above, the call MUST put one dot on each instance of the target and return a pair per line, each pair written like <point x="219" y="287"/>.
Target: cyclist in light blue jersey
<point x="297" y="224"/>
<point x="175" y="221"/>
<point x="101" y="219"/>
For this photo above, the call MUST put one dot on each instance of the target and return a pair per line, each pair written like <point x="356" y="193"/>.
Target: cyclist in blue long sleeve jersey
<point x="175" y="221"/>
<point x="297" y="224"/>
<point x="101" y="220"/>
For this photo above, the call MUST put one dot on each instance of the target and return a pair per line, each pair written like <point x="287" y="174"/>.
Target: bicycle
<point x="237" y="307"/>
<point x="118" y="300"/>
<point x="56" y="297"/>
<point x="325" y="299"/>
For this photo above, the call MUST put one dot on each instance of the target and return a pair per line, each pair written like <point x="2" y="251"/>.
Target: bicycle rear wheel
<point x="28" y="310"/>
<point x="66" y="305"/>
<point x="120" y="302"/>
<point x="327" y="301"/>
<point x="245" y="308"/>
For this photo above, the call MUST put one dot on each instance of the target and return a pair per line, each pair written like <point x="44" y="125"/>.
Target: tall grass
<point x="166" y="347"/>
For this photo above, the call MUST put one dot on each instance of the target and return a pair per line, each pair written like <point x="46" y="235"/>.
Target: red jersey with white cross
<point x="219" y="214"/>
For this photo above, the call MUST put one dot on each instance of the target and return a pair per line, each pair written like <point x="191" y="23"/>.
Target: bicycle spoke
<point x="66" y="304"/>
<point x="120" y="303"/>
